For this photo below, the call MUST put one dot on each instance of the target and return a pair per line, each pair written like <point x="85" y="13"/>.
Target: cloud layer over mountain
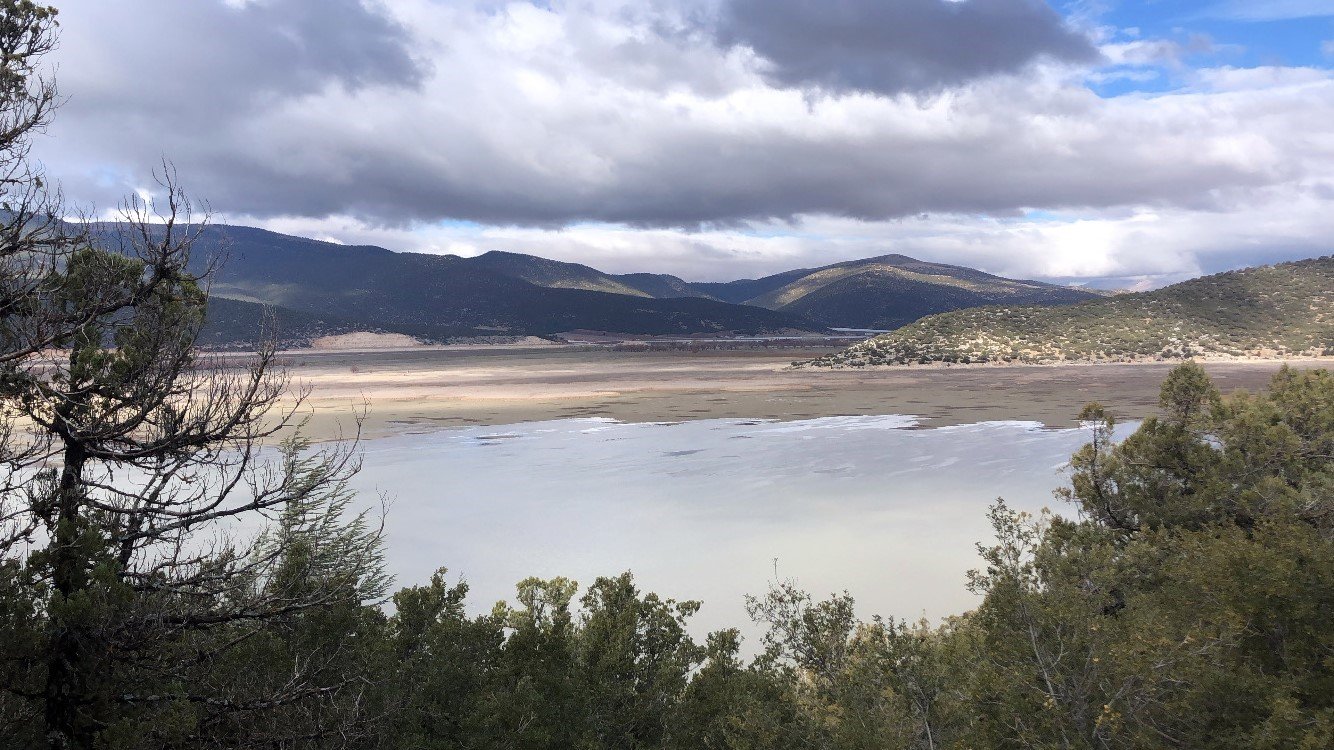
<point x="711" y="137"/>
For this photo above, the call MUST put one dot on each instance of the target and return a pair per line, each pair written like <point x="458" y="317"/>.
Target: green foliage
<point x="1211" y="460"/>
<point x="635" y="656"/>
<point x="1285" y="309"/>
<point x="1191" y="607"/>
<point x="616" y="673"/>
<point x="731" y="706"/>
<point x="445" y="668"/>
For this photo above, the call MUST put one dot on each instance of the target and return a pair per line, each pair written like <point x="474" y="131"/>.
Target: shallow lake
<point x="715" y="509"/>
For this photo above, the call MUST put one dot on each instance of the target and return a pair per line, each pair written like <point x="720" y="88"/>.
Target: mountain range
<point x="314" y="288"/>
<point x="874" y="293"/>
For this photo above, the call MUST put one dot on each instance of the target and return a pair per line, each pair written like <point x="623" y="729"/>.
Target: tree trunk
<point x="66" y="676"/>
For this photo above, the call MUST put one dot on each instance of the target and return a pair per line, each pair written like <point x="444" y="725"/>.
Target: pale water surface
<point x="702" y="509"/>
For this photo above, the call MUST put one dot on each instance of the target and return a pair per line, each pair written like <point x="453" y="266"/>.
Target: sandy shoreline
<point x="423" y="390"/>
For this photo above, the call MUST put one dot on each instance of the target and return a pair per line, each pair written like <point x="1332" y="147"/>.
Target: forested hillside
<point x="1280" y="310"/>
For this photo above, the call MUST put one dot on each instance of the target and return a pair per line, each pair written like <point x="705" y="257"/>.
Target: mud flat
<point x="416" y="390"/>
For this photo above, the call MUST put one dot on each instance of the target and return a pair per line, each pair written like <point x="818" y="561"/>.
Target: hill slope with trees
<point x="894" y="290"/>
<point x="1281" y="310"/>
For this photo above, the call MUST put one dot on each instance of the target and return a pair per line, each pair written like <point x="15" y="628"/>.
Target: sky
<point x="1106" y="142"/>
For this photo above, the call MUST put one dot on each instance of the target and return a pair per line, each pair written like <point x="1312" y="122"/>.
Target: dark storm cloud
<point x="891" y="46"/>
<point x="190" y="65"/>
<point x="342" y="40"/>
<point x="185" y="80"/>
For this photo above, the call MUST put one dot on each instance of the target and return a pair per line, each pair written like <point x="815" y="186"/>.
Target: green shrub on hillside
<point x="1280" y="310"/>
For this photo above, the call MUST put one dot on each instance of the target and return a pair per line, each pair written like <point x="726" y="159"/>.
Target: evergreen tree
<point x="169" y="576"/>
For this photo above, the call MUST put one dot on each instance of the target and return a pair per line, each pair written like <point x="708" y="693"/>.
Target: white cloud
<point x="1269" y="10"/>
<point x="624" y="124"/>
<point x="1111" y="248"/>
<point x="1143" y="52"/>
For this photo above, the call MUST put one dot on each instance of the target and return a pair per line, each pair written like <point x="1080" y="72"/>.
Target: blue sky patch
<point x="1189" y="35"/>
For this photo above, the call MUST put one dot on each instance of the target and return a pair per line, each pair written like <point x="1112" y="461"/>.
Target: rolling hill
<point x="1280" y="310"/>
<point x="894" y="290"/>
